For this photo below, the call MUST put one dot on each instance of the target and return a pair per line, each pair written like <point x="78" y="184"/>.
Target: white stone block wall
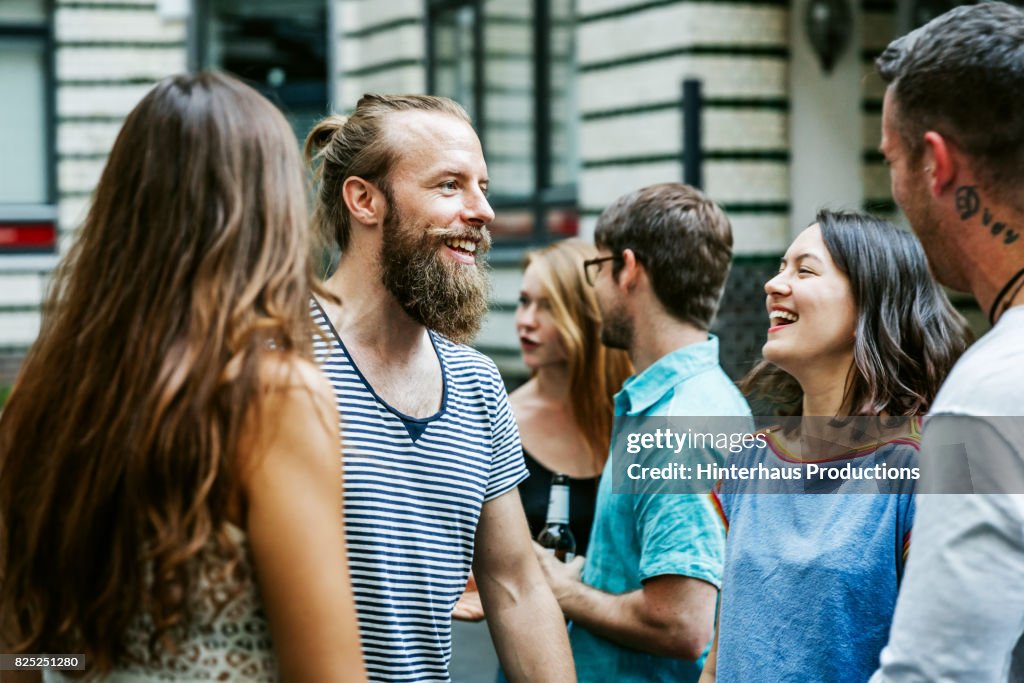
<point x="381" y="48"/>
<point x="633" y="58"/>
<point x="107" y="56"/>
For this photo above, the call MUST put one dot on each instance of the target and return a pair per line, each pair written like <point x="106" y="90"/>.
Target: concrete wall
<point x="633" y="57"/>
<point x="825" y="127"/>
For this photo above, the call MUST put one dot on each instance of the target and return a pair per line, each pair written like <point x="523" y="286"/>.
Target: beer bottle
<point x="556" y="535"/>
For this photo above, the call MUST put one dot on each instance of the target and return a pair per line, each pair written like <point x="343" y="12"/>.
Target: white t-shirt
<point x="960" y="611"/>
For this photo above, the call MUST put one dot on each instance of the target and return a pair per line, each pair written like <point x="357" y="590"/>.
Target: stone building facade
<point x="577" y="101"/>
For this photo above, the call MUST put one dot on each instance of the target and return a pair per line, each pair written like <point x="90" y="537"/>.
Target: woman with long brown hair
<point x="170" y="488"/>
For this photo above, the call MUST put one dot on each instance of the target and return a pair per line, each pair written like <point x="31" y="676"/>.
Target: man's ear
<point x="364" y="200"/>
<point x="631" y="271"/>
<point x="941" y="163"/>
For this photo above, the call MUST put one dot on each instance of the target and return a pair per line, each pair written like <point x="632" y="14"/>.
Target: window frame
<point x="544" y="197"/>
<point x="44" y="212"/>
<point x="198" y="48"/>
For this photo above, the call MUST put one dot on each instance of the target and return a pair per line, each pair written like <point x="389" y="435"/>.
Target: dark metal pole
<point x="693" y="152"/>
<point x="541" y="115"/>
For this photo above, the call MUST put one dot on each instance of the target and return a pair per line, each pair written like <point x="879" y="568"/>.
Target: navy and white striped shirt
<point x="414" y="489"/>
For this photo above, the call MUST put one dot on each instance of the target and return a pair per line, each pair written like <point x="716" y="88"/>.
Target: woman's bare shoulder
<point x="296" y="410"/>
<point x="281" y="371"/>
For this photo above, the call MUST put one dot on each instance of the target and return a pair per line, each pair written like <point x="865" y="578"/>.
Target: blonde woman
<point x="565" y="409"/>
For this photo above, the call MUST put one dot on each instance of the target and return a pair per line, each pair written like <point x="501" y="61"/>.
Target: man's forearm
<point x="529" y="634"/>
<point x="628" y="620"/>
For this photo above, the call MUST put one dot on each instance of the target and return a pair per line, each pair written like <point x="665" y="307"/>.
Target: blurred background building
<point x="576" y="102"/>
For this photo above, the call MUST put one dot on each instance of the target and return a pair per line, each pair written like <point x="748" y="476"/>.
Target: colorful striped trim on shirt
<point x="912" y="438"/>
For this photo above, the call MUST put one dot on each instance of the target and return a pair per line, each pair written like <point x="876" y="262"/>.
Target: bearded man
<point x="431" y="450"/>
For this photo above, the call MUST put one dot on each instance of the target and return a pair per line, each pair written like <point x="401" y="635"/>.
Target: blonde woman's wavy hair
<point x="596" y="372"/>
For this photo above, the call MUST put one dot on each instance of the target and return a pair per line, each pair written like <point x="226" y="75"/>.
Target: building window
<point x="281" y="49"/>
<point x="27" y="215"/>
<point x="512" y="66"/>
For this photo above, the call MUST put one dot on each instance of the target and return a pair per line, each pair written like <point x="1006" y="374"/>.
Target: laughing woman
<point x="860" y="332"/>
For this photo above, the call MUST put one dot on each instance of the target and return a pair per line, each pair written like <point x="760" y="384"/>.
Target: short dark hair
<point x="682" y="238"/>
<point x="962" y="75"/>
<point x="908" y="335"/>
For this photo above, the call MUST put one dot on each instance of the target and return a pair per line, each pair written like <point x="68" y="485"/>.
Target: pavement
<point x="473" y="657"/>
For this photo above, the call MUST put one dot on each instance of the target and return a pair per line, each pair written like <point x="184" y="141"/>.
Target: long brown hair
<point x="596" y="372"/>
<point x="118" y="445"/>
<point x="908" y="334"/>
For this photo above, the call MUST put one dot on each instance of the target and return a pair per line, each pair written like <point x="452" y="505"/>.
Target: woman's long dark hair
<point x="908" y="334"/>
<point x="118" y="445"/>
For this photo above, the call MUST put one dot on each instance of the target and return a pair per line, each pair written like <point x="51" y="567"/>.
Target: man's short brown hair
<point x="682" y="239"/>
<point x="962" y="75"/>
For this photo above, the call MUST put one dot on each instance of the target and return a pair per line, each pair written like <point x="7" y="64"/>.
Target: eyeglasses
<point x="591" y="267"/>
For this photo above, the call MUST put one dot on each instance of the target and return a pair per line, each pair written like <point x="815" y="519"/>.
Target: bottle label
<point x="558" y="505"/>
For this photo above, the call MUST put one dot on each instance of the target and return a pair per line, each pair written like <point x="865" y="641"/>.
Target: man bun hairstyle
<point x="339" y="147"/>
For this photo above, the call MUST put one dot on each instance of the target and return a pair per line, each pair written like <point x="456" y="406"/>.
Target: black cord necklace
<point x="1002" y="294"/>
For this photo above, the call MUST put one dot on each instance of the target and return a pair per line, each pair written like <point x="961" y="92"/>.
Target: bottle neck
<point x="558" y="504"/>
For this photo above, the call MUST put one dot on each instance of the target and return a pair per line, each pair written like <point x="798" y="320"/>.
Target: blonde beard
<point x="449" y="298"/>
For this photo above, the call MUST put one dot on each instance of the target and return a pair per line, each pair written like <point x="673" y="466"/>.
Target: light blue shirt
<point x="811" y="578"/>
<point x="640" y="536"/>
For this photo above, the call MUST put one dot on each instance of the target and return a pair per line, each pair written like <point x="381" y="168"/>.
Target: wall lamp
<point x="829" y="25"/>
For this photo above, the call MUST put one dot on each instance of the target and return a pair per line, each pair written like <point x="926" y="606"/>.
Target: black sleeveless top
<point x="582" y="500"/>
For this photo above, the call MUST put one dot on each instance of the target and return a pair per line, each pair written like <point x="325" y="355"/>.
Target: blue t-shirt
<point x="811" y="579"/>
<point x="640" y="536"/>
<point x="414" y="489"/>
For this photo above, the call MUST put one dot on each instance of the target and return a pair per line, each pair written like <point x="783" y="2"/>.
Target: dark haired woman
<point x="170" y="488"/>
<point x="860" y="332"/>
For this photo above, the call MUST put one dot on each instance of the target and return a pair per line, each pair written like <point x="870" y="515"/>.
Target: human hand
<point x="469" y="607"/>
<point x="562" y="577"/>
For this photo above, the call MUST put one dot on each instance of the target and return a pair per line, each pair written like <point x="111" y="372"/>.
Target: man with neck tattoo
<point x="431" y="451"/>
<point x="953" y="135"/>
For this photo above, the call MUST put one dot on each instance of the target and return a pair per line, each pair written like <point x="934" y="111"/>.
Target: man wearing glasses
<point x="644" y="607"/>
